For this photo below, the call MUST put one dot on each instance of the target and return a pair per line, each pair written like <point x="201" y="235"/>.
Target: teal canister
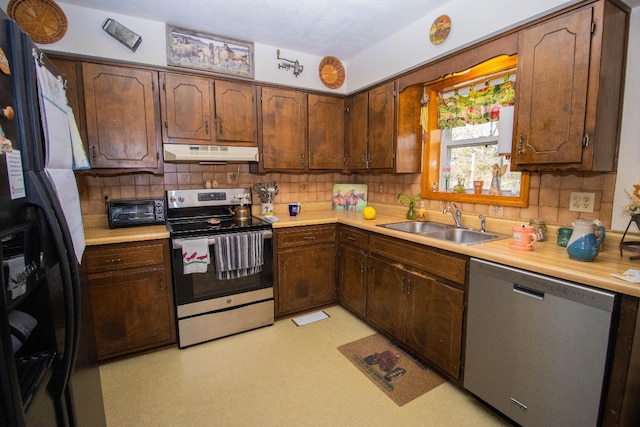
<point x="583" y="244"/>
<point x="564" y="234"/>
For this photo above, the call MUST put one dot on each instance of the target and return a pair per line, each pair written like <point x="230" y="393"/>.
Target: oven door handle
<point x="177" y="244"/>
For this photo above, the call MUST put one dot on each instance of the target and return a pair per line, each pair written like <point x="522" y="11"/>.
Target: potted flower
<point x="446" y="174"/>
<point x="403" y="198"/>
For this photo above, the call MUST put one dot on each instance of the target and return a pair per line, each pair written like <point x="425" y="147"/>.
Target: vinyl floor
<point x="281" y="375"/>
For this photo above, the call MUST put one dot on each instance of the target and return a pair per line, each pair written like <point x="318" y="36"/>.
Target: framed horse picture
<point x="209" y="52"/>
<point x="349" y="197"/>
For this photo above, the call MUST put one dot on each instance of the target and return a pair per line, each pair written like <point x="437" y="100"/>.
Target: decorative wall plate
<point x="43" y="20"/>
<point x="331" y="71"/>
<point x="440" y="29"/>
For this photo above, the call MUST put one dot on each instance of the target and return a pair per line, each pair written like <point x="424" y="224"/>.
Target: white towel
<point x="195" y="256"/>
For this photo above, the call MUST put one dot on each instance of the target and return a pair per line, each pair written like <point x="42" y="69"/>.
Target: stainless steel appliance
<point x="536" y="347"/>
<point x="48" y="366"/>
<point x="233" y="292"/>
<point x="131" y="213"/>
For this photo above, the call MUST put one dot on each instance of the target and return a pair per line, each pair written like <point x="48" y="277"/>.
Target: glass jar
<point x="540" y="228"/>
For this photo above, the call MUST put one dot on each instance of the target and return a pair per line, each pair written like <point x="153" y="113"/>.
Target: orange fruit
<point x="369" y="212"/>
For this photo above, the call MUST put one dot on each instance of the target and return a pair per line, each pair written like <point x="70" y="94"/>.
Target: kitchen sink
<point x="416" y="227"/>
<point x="463" y="236"/>
<point x="449" y="233"/>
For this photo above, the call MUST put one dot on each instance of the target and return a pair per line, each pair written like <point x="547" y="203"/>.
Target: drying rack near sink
<point x="634" y="245"/>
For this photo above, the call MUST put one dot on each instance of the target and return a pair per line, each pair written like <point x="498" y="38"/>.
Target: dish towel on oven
<point x="238" y="254"/>
<point x="195" y="256"/>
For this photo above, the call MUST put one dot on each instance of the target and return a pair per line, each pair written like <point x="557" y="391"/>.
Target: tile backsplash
<point x="548" y="195"/>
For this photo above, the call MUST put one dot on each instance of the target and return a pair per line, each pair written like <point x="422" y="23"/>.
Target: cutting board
<point x="351" y="197"/>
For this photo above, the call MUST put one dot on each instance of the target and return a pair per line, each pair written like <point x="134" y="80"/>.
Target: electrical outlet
<point x="582" y="202"/>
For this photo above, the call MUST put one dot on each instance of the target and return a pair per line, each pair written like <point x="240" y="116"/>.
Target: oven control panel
<point x="177" y="199"/>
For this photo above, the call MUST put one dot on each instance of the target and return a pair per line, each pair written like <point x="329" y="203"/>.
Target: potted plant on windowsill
<point x="403" y="198"/>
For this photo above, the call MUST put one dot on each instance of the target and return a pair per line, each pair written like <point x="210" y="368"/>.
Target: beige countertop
<point x="546" y="258"/>
<point x="97" y="232"/>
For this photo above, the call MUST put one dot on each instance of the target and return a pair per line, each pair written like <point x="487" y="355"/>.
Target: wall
<point x="548" y="193"/>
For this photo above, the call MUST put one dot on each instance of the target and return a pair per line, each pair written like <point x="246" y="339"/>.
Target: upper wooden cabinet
<point x="72" y="72"/>
<point x="122" y="116"/>
<point x="569" y="90"/>
<point x="284" y="129"/>
<point x="370" y="129"/>
<point x="235" y="112"/>
<point x="187" y="107"/>
<point x="326" y="132"/>
<point x="197" y="110"/>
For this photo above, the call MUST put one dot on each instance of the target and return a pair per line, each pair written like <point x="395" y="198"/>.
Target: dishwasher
<point x="536" y="346"/>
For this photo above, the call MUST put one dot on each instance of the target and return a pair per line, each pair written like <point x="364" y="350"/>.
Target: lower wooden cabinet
<point x="305" y="268"/>
<point x="131" y="297"/>
<point x="409" y="299"/>
<point x="412" y="292"/>
<point x="352" y="269"/>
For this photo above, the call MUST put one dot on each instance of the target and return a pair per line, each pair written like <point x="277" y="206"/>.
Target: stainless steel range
<point x="222" y="263"/>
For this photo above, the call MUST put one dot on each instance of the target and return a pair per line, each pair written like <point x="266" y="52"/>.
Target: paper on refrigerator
<point x="54" y="112"/>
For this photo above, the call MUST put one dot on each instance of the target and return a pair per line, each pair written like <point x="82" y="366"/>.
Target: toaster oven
<point x="131" y="213"/>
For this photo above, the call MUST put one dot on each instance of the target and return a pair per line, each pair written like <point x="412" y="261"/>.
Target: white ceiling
<point x="342" y="28"/>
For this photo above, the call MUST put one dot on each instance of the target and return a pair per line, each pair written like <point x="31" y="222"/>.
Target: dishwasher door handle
<point x="528" y="292"/>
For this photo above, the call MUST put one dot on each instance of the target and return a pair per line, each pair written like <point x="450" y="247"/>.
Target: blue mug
<point x="294" y="208"/>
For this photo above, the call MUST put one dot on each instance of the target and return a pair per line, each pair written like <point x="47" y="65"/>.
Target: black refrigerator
<point x="48" y="366"/>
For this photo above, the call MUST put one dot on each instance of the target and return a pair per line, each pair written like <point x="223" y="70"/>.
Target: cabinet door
<point x="131" y="311"/>
<point x="284" y="129"/>
<point x="352" y="279"/>
<point x="386" y="297"/>
<point x="553" y="74"/>
<point x="187" y="109"/>
<point x="123" y="117"/>
<point x="326" y="132"/>
<point x="434" y="322"/>
<point x="306" y="278"/>
<point x="356" y="131"/>
<point x="235" y="112"/>
<point x="72" y="72"/>
<point x="381" y="126"/>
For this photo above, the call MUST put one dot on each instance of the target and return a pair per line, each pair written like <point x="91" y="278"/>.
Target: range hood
<point x="179" y="153"/>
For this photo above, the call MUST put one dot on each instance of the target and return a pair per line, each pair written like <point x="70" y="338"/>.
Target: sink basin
<point x="416" y="227"/>
<point x="463" y="236"/>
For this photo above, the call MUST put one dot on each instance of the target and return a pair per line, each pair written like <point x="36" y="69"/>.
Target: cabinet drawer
<point x="431" y="260"/>
<point x="126" y="255"/>
<point x="308" y="235"/>
<point x="353" y="236"/>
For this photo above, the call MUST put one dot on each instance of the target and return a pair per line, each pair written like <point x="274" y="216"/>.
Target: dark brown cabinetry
<point x="305" y="263"/>
<point x="187" y="109"/>
<point x="370" y="129"/>
<point x="122" y="116"/>
<point x="72" y="73"/>
<point x="326" y="132"/>
<point x="198" y="110"/>
<point x="284" y="129"/>
<point x="131" y="297"/>
<point x="569" y="90"/>
<point x="235" y="109"/>
<point x="352" y="268"/>
<point x="416" y="294"/>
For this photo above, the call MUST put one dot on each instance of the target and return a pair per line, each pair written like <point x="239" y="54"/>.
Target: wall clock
<point x="43" y="20"/>
<point x="331" y="71"/>
<point x="440" y="29"/>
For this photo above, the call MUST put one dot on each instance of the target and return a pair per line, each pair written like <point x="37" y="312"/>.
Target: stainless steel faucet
<point x="457" y="215"/>
<point x="482" y="223"/>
